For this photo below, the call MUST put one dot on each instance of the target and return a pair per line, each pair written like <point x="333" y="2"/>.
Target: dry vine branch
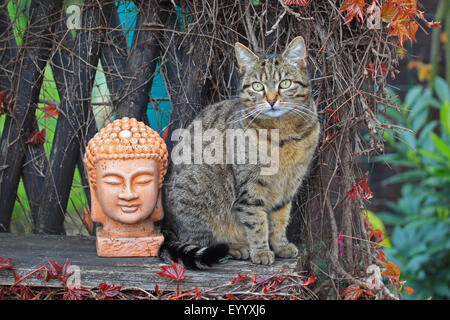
<point x="192" y="42"/>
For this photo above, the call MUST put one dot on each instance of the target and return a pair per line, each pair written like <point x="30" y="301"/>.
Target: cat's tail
<point x="192" y="256"/>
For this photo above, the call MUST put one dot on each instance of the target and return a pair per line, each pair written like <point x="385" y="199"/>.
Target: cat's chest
<point x="294" y="157"/>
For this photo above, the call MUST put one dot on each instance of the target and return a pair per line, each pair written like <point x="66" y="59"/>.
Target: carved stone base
<point x="108" y="246"/>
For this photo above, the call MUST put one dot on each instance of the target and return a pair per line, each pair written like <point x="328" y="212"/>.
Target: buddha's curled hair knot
<point x="125" y="139"/>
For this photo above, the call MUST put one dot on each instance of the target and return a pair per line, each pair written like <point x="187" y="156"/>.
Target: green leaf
<point x="393" y="219"/>
<point x="419" y="119"/>
<point x="431" y="155"/>
<point x="440" y="145"/>
<point x="412" y="95"/>
<point x="445" y="117"/>
<point x="406" y="176"/>
<point x="425" y="132"/>
<point x="441" y="88"/>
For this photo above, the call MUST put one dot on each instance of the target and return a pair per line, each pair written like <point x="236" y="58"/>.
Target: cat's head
<point x="277" y="86"/>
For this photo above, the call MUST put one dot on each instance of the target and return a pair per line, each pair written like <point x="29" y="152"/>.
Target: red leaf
<point x="388" y="11"/>
<point x="54" y="269"/>
<point x="25" y="293"/>
<point x="109" y="291"/>
<point x="230" y="296"/>
<point x="5" y="263"/>
<point x="392" y="271"/>
<point x="352" y="292"/>
<point x="164" y="136"/>
<point x="65" y="272"/>
<point x="362" y="188"/>
<point x="331" y="137"/>
<point x="354" y="8"/>
<point x="409" y="290"/>
<point x="174" y="271"/>
<point x="239" y="278"/>
<point x="76" y="293"/>
<point x="310" y="280"/>
<point x="433" y="24"/>
<point x="404" y="29"/>
<point x="333" y="114"/>
<point x="380" y="256"/>
<point x="158" y="293"/>
<point x="264" y="289"/>
<point x="5" y="100"/>
<point x="300" y="3"/>
<point x="37" y="137"/>
<point x="50" y="111"/>
<point x="379" y="69"/>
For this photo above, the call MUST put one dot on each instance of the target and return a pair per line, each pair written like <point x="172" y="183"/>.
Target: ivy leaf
<point x="239" y="278"/>
<point x="65" y="272"/>
<point x="109" y="291"/>
<point x="392" y="271"/>
<point x="388" y="11"/>
<point x="54" y="269"/>
<point x="352" y="292"/>
<point x="409" y="290"/>
<point x="50" y="111"/>
<point x="354" y="8"/>
<point x="25" y="293"/>
<point x="76" y="293"/>
<point x="375" y="69"/>
<point x="174" y="271"/>
<point x="310" y="280"/>
<point x="404" y="29"/>
<point x="407" y="4"/>
<point x="5" y="263"/>
<point x="433" y="24"/>
<point x="36" y="137"/>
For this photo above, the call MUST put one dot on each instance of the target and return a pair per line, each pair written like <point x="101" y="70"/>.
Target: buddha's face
<point x="127" y="190"/>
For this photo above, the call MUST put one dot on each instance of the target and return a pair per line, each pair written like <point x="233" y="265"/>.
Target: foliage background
<point x="413" y="204"/>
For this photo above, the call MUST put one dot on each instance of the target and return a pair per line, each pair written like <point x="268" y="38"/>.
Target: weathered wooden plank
<point x="29" y="251"/>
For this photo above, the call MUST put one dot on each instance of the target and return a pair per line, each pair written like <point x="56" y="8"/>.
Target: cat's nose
<point x="271" y="101"/>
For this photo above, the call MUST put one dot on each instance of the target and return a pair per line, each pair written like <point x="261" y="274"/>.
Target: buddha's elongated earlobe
<point x="158" y="213"/>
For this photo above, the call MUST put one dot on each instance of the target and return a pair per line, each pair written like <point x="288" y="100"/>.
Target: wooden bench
<point x="30" y="251"/>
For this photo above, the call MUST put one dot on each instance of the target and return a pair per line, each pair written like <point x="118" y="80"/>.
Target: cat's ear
<point x="295" y="52"/>
<point x="245" y="57"/>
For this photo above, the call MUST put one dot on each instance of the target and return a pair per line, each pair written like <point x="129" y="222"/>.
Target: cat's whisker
<point x="307" y="112"/>
<point x="301" y="111"/>
<point x="298" y="106"/>
<point x="245" y="116"/>
<point x="251" y="121"/>
<point x="295" y="111"/>
<point x="302" y="115"/>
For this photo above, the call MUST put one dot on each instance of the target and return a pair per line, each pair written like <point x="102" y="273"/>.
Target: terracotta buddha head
<point x="126" y="162"/>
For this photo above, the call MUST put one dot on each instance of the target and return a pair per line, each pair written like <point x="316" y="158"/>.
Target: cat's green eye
<point x="258" y="86"/>
<point x="285" y="84"/>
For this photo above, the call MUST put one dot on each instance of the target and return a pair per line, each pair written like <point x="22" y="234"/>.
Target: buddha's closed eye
<point x="143" y="179"/>
<point x="112" y="180"/>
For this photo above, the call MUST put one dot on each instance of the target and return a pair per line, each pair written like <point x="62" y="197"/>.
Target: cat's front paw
<point x="263" y="257"/>
<point x="239" y="252"/>
<point x="287" y="251"/>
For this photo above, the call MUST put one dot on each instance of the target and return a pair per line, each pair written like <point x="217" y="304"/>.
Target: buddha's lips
<point x="128" y="208"/>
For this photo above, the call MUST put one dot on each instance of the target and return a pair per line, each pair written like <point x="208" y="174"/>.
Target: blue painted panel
<point x="158" y="115"/>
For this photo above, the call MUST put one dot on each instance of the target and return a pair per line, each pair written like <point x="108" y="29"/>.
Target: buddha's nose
<point x="127" y="194"/>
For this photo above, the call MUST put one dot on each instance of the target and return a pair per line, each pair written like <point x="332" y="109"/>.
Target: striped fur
<point x="215" y="209"/>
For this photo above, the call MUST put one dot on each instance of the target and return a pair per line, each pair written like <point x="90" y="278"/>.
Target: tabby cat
<point x="212" y="210"/>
